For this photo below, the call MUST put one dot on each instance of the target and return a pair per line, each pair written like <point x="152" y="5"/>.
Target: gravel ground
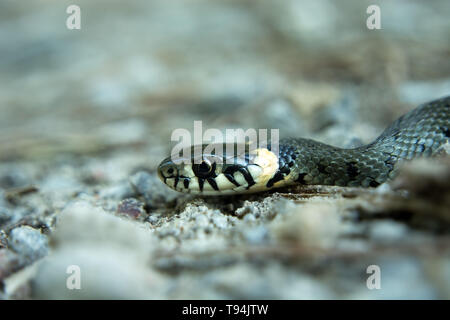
<point x="88" y="114"/>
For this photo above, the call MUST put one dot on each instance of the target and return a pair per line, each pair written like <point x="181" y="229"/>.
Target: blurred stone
<point x="388" y="231"/>
<point x="131" y="207"/>
<point x="30" y="243"/>
<point x="315" y="224"/>
<point x="152" y="189"/>
<point x="101" y="246"/>
<point x="9" y="263"/>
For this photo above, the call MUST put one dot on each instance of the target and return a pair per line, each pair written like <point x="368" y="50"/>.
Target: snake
<point x="420" y="132"/>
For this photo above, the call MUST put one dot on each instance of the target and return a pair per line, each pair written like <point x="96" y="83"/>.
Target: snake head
<point x="218" y="169"/>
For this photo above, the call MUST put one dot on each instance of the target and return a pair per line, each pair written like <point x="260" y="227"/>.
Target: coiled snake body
<point x="420" y="132"/>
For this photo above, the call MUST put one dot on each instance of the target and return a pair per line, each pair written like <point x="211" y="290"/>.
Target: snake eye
<point x="204" y="169"/>
<point x="169" y="171"/>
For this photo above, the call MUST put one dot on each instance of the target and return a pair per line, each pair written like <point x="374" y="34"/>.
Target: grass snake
<point x="420" y="132"/>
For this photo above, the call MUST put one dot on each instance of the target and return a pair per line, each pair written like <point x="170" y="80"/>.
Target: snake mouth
<point x="233" y="179"/>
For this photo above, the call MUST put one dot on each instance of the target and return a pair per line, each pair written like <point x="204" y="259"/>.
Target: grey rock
<point x="30" y="243"/>
<point x="256" y="235"/>
<point x="152" y="189"/>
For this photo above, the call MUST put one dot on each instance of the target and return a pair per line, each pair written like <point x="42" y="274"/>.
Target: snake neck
<point x="305" y="161"/>
<point x="418" y="133"/>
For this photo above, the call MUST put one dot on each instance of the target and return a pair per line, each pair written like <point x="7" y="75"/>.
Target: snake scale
<point x="420" y="132"/>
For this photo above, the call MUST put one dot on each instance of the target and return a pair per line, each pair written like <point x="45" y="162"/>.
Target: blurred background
<point x="83" y="110"/>
<point x="136" y="71"/>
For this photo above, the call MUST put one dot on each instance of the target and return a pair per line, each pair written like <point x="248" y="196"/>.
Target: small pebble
<point x="131" y="207"/>
<point x="29" y="243"/>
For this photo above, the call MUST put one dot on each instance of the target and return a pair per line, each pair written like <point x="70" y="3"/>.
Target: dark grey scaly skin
<point x="418" y="133"/>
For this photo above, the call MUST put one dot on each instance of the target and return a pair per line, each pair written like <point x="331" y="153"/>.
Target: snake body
<point x="420" y="132"/>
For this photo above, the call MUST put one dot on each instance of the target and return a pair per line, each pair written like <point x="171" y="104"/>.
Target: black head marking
<point x="277" y="177"/>
<point x="247" y="177"/>
<point x="231" y="179"/>
<point x="213" y="183"/>
<point x="201" y="182"/>
<point x="204" y="170"/>
<point x="301" y="178"/>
